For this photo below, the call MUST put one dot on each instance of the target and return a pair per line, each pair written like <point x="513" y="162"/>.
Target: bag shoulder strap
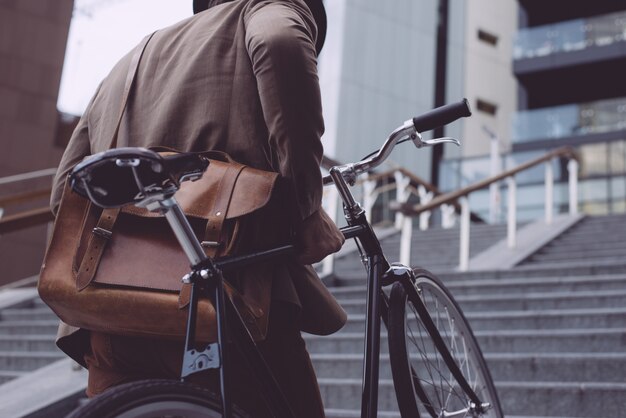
<point x="130" y="77"/>
<point x="103" y="231"/>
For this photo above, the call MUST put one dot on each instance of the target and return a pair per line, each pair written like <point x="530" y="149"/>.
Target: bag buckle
<point x="102" y="232"/>
<point x="210" y="244"/>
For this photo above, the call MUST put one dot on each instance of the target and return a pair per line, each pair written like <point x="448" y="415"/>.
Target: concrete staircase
<point x="36" y="378"/>
<point x="27" y="334"/>
<point x="553" y="330"/>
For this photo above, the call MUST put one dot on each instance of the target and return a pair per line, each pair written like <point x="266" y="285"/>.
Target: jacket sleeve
<point x="280" y="38"/>
<point x="77" y="149"/>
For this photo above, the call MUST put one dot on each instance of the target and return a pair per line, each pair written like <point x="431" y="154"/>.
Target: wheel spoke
<point x="434" y="384"/>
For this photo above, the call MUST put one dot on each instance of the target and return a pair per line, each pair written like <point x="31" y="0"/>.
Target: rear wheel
<point x="420" y="372"/>
<point x="155" y="399"/>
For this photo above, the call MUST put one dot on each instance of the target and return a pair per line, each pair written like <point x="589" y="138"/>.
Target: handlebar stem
<point x="339" y="173"/>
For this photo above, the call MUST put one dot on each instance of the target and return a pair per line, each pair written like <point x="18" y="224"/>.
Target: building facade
<point x="377" y="70"/>
<point x="567" y="60"/>
<point x="33" y="35"/>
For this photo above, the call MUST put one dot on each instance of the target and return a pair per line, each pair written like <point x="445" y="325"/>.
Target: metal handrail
<point x="414" y="210"/>
<point x="461" y="195"/>
<point x="26" y="219"/>
<point x="29" y="217"/>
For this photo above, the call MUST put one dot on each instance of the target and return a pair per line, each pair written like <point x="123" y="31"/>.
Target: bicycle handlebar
<point x="409" y="130"/>
<point x="442" y="116"/>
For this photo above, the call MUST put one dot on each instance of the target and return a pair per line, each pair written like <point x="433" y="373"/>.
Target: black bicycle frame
<point x="206" y="278"/>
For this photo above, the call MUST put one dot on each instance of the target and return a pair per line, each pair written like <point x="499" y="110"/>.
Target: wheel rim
<point x="169" y="409"/>
<point x="434" y="384"/>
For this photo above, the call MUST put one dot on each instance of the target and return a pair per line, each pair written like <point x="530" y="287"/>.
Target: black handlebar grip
<point x="442" y="116"/>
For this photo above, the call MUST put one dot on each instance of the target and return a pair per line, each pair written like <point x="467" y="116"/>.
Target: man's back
<point x="240" y="78"/>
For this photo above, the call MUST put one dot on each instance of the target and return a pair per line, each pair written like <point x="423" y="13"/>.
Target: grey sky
<point x="102" y="31"/>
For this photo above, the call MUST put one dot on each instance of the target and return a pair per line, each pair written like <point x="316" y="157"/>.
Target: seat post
<point x="180" y="225"/>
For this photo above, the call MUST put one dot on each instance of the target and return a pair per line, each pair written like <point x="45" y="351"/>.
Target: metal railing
<point x="29" y="217"/>
<point x="570" y="120"/>
<point x="572" y="35"/>
<point x="509" y="176"/>
<point x="405" y="184"/>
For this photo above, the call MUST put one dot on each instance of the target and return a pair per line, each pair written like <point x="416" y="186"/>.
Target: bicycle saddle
<point x="124" y="176"/>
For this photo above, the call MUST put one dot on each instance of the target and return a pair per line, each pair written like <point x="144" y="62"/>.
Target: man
<point x="240" y="76"/>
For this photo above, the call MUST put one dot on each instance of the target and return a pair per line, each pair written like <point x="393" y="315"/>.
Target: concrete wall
<point x="33" y="34"/>
<point x="485" y="70"/>
<point x="376" y="72"/>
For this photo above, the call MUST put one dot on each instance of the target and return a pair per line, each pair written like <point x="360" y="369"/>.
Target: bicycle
<point x="437" y="366"/>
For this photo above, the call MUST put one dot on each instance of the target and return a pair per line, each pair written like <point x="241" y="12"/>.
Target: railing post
<point x="464" y="234"/>
<point x="512" y="211"/>
<point x="332" y="200"/>
<point x="405" y="240"/>
<point x="549" y="189"/>
<point x="402" y="194"/>
<point x="572" y="168"/>
<point x="494" y="188"/>
<point x="447" y="216"/>
<point x="425" y="197"/>
<point x="369" y="197"/>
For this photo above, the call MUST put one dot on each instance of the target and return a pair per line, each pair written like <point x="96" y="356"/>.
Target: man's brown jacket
<point x="241" y="78"/>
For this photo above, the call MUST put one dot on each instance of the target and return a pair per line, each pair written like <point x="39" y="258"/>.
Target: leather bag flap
<point x="252" y="191"/>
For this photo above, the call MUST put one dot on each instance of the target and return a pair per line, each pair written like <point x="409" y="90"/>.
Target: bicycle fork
<point x="475" y="406"/>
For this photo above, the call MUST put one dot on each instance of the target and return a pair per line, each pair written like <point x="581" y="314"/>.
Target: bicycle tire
<point x="420" y="374"/>
<point x="154" y="399"/>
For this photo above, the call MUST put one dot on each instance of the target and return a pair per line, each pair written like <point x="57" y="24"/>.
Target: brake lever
<point x="419" y="142"/>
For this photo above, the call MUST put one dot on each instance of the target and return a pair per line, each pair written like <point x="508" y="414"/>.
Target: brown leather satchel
<point x="119" y="270"/>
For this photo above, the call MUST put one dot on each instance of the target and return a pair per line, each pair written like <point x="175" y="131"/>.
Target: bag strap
<point x="98" y="241"/>
<point x="215" y="223"/>
<point x="130" y="78"/>
<point x="101" y="234"/>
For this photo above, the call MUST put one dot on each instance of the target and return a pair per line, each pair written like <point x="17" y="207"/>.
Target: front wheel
<point x="155" y="399"/>
<point x="418" y="363"/>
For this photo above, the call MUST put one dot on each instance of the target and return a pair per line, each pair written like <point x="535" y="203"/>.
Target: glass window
<point x="532" y="175"/>
<point x="618" y="188"/>
<point x="595" y="208"/>
<point x="449" y="175"/>
<point x="618" y="206"/>
<point x="479" y="201"/>
<point x="551" y="122"/>
<point x="531" y="195"/>
<point x="593" y="190"/>
<point x="474" y="170"/>
<point x="617" y="157"/>
<point x="528" y="214"/>
<point x="593" y="160"/>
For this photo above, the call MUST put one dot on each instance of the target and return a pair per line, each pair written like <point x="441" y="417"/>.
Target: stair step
<point x="589" y="399"/>
<point x="532" y="319"/>
<point x="24" y="361"/>
<point x="27" y="342"/>
<point x="568" y="245"/>
<point x="29" y="327"/>
<point x="617" y="253"/>
<point x="512" y="286"/>
<point x="531" y="367"/>
<point x="8" y="375"/>
<point x="578" y="399"/>
<point x="530" y="301"/>
<point x="32" y="314"/>
<point x="593" y="340"/>
<point x="353" y="413"/>
<point x="346" y="393"/>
